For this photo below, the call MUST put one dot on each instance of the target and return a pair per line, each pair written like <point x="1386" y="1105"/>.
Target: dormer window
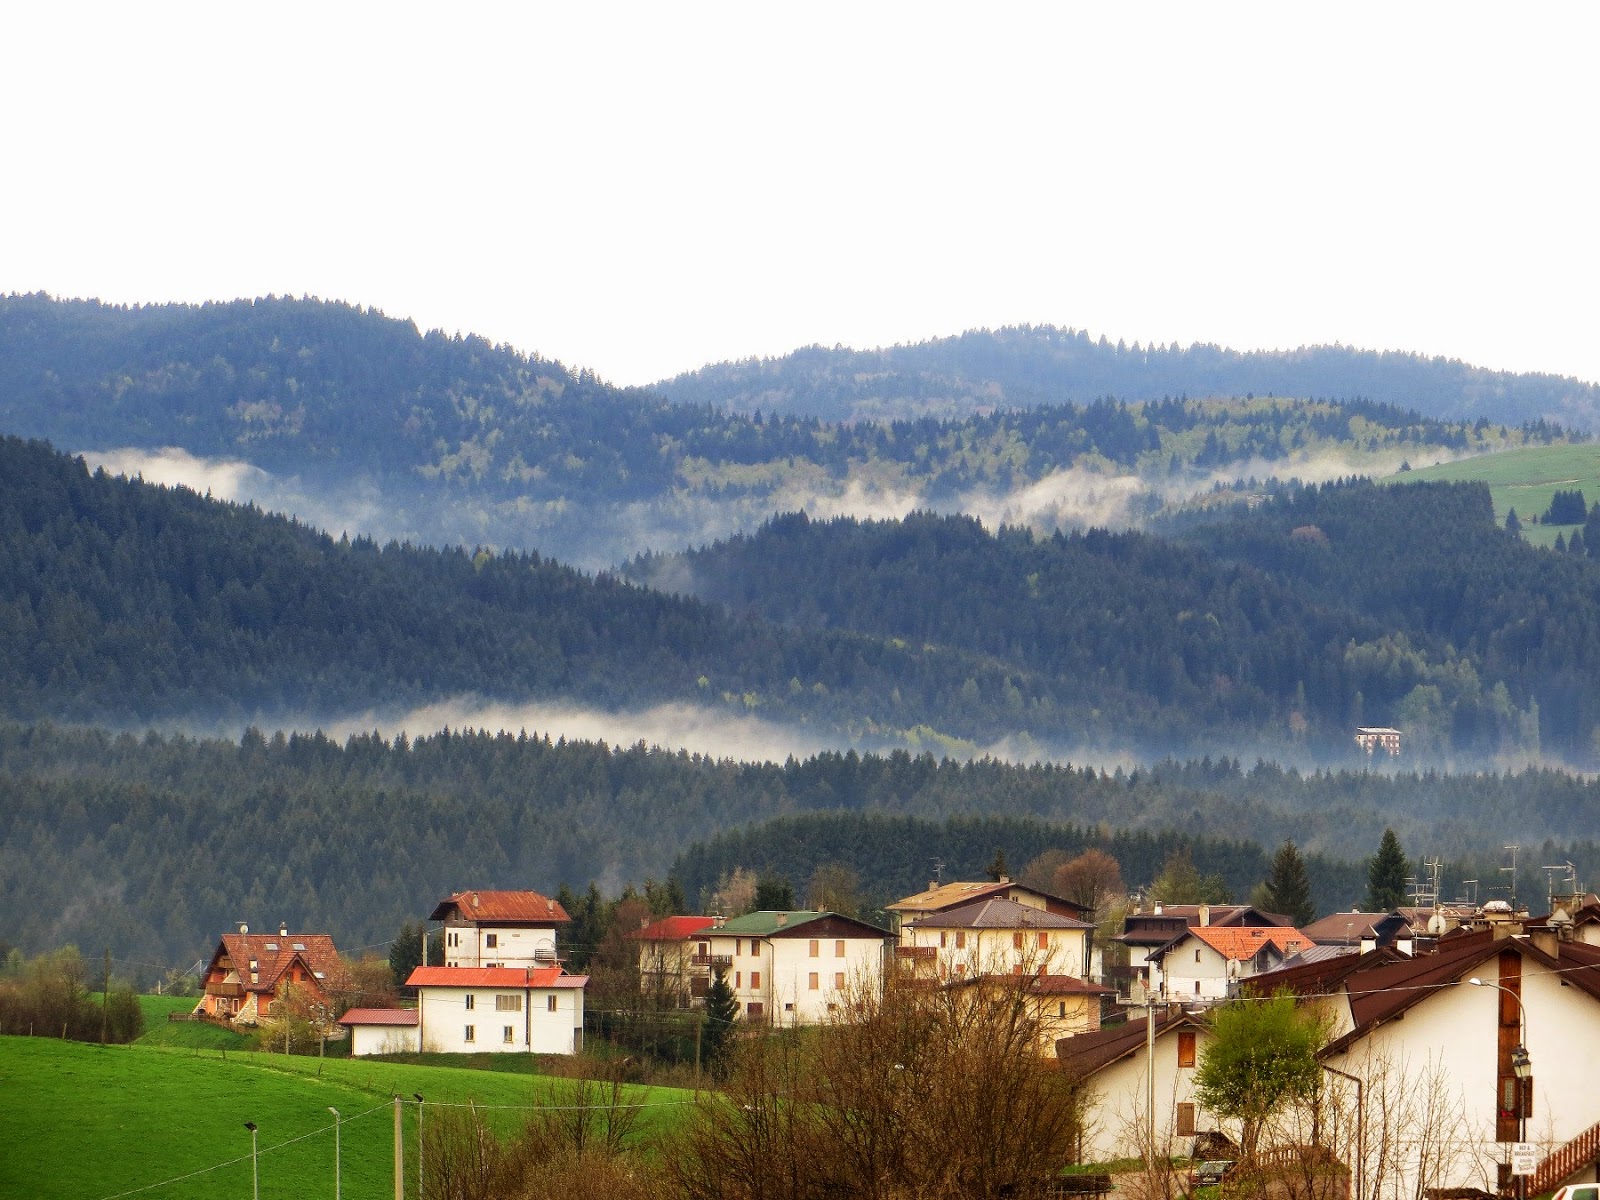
<point x="300" y="946"/>
<point x="272" y="945"/>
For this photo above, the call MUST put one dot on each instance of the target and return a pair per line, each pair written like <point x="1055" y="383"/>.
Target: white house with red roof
<point x="249" y="971"/>
<point x="499" y="929"/>
<point x="1206" y="962"/>
<point x="498" y="1010"/>
<point x="675" y="959"/>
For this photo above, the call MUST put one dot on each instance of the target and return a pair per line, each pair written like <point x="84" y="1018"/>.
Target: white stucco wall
<point x="382" y="1039"/>
<point x="1116" y="1115"/>
<point x="784" y="966"/>
<point x="468" y="945"/>
<point x="535" y="1029"/>
<point x="994" y="952"/>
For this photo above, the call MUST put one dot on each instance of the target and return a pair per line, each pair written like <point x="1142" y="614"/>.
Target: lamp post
<point x="1521" y="1067"/>
<point x="422" y="1178"/>
<point x="255" y="1177"/>
<point x="337" y="1183"/>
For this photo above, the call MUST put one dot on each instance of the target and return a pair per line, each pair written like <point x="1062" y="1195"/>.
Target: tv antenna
<point x="1512" y="871"/>
<point x="1568" y="874"/>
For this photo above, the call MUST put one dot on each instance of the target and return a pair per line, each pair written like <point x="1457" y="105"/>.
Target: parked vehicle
<point x="1210" y="1172"/>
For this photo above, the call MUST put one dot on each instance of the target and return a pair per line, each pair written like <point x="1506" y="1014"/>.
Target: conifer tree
<point x="1386" y="875"/>
<point x="721" y="1012"/>
<point x="1289" y="888"/>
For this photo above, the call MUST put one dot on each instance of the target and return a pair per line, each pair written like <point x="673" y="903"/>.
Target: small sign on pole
<point x="1524" y="1158"/>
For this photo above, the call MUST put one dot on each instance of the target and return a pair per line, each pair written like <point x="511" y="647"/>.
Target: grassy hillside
<point x="1525" y="479"/>
<point x="105" y="1121"/>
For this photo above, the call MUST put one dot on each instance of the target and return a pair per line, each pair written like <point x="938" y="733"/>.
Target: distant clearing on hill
<point x="1525" y="480"/>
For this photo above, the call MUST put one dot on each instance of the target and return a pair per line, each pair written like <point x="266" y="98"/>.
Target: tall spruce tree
<point x="1386" y="875"/>
<point x="1288" y="886"/>
<point x="721" y="1011"/>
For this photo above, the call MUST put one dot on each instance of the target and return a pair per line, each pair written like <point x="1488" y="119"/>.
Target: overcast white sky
<point x="641" y="189"/>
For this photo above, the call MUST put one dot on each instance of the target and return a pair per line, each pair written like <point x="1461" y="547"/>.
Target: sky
<point x="640" y="189"/>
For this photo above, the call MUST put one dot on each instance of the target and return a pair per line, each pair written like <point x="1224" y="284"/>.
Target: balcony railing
<point x="230" y="991"/>
<point x="711" y="960"/>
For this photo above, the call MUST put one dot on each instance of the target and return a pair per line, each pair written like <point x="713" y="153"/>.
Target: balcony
<point x="228" y="991"/>
<point x="711" y="960"/>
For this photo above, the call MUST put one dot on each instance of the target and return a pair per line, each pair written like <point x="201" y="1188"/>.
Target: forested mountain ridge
<point x="154" y="845"/>
<point x="451" y="440"/>
<point x="1356" y="604"/>
<point x="1030" y="366"/>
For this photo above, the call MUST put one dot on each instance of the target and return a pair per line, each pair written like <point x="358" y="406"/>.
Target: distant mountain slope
<point x="359" y="423"/>
<point x="1028" y="366"/>
<point x="1359" y="604"/>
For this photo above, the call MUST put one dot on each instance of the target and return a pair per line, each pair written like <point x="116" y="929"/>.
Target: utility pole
<point x="399" y="1155"/>
<point x="105" y="998"/>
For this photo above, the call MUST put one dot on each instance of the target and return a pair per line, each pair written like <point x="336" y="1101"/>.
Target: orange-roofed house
<point x="248" y="972"/>
<point x="675" y="960"/>
<point x="499" y="929"/>
<point x="498" y="1010"/>
<point x="1207" y="962"/>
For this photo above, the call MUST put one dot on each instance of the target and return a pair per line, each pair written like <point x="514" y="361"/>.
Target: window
<point x="511" y="1003"/>
<point x="1044" y="940"/>
<point x="467" y="1003"/>
<point x="943" y="938"/>
<point x="1185" y="1120"/>
<point x="470" y="1034"/>
<point x="738" y="979"/>
<point x="755" y="980"/>
<point x="961" y="939"/>
<point x="550" y="1002"/>
<point x="1196" y="987"/>
<point x="816" y="948"/>
<point x="738" y="947"/>
<point x="814" y="984"/>
<point x="1062" y="1010"/>
<point x="1016" y="940"/>
<point x="1197" y="954"/>
<point x="838" y="979"/>
<point x="509" y="1035"/>
<point x="1186" y="1048"/>
<point x="754" y="1008"/>
<point x="491" y="940"/>
<point x="838" y="948"/>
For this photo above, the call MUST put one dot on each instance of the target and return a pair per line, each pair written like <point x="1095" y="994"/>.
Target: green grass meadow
<point x="90" y="1122"/>
<point x="1525" y="480"/>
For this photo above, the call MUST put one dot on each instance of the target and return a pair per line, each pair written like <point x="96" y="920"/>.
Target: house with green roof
<point x="799" y="967"/>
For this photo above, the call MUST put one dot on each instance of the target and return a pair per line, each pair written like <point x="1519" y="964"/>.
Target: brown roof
<point x="501" y="908"/>
<point x="1323" y="976"/>
<point x="1159" y="928"/>
<point x="941" y="896"/>
<point x="1083" y="1054"/>
<point x="996" y="912"/>
<point x="1386" y="992"/>
<point x="273" y="953"/>
<point x="1345" y="926"/>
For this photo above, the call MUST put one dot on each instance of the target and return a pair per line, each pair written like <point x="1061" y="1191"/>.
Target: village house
<point x="941" y="897"/>
<point x="499" y="929"/>
<point x="1144" y="933"/>
<point x="1118" y="1072"/>
<point x="1362" y="931"/>
<point x="498" y="1010"/>
<point x="994" y="936"/>
<point x="1057" y="1006"/>
<point x="1207" y="962"/>
<point x="674" y="959"/>
<point x="799" y="967"/>
<point x="1373" y="738"/>
<point x="248" y="972"/>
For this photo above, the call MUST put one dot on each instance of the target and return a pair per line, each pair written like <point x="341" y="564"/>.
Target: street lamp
<point x="1521" y="1067"/>
<point x="255" y="1177"/>
<point x="336" y="1171"/>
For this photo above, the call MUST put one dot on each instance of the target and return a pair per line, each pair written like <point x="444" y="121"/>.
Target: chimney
<point x="933" y="885"/>
<point x="1156" y="911"/>
<point x="1547" y="940"/>
<point x="1205" y="914"/>
<point x="475" y="902"/>
<point x="644" y="921"/>
<point x="716" y="920"/>
<point x="783" y="919"/>
<point x="283" y="930"/>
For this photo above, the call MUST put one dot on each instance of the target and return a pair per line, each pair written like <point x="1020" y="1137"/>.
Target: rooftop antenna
<point x="938" y="870"/>
<point x="1469" y="892"/>
<point x="1568" y="875"/>
<point x="1426" y="895"/>
<point x="1512" y="871"/>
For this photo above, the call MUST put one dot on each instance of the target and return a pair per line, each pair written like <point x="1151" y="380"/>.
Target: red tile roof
<point x="528" y="908"/>
<point x="488" y="977"/>
<point x="380" y="1016"/>
<point x="673" y="929"/>
<point x="273" y="954"/>
<point x="1239" y="942"/>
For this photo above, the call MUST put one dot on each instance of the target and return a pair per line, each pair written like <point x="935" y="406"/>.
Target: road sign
<point x="1524" y="1158"/>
